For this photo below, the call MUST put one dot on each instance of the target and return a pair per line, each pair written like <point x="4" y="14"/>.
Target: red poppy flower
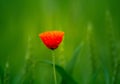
<point x="52" y="39"/>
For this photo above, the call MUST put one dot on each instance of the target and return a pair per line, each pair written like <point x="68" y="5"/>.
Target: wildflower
<point x="52" y="39"/>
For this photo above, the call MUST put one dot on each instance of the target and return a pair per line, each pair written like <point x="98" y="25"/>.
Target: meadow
<point x="88" y="54"/>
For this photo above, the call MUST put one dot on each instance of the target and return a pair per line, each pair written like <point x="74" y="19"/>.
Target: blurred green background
<point x="89" y="54"/>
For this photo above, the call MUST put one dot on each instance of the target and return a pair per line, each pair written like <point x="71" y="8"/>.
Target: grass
<point x="96" y="62"/>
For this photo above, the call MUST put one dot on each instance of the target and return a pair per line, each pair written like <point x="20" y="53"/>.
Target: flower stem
<point x="54" y="72"/>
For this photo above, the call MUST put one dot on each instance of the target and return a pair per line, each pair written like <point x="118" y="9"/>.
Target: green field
<point x="89" y="53"/>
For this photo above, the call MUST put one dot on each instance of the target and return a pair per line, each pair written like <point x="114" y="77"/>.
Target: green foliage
<point x="65" y="76"/>
<point x="96" y="23"/>
<point x="1" y="75"/>
<point x="70" y="66"/>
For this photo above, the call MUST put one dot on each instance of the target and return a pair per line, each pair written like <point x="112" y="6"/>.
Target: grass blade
<point x="68" y="79"/>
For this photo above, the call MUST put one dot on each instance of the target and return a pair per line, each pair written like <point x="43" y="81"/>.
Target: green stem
<point x="54" y="72"/>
